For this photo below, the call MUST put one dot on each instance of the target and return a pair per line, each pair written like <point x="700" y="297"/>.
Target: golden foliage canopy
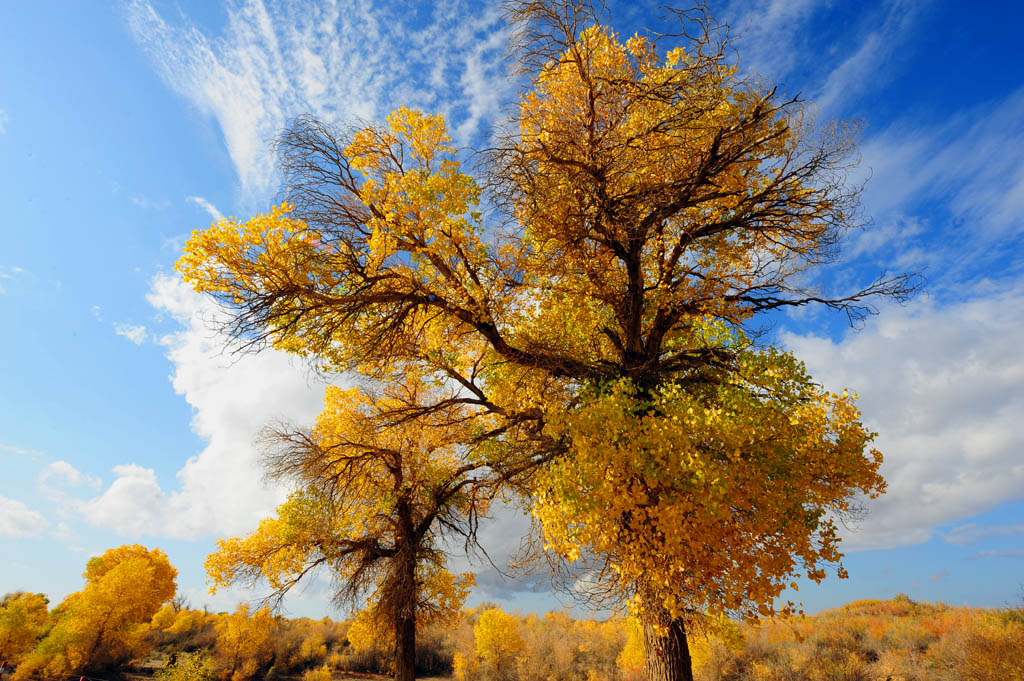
<point x="105" y="623"/>
<point x="650" y="208"/>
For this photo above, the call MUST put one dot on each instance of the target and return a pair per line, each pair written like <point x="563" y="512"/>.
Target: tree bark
<point x="668" y="655"/>
<point x="404" y="647"/>
<point x="407" y="593"/>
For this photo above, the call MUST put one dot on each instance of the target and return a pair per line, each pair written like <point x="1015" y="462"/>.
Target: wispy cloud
<point x="3" y="121"/>
<point x="8" y="273"/>
<point x="966" y="162"/>
<point x="863" y="69"/>
<point x="768" y="32"/>
<point x="207" y="206"/>
<point x="1011" y="553"/>
<point x="337" y="60"/>
<point x="11" y="449"/>
<point x="146" y="203"/>
<point x="972" y="533"/>
<point x="136" y="333"/>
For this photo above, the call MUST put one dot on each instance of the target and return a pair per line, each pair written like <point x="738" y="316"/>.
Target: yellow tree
<point x="106" y="623"/>
<point x="23" y="621"/>
<point x="377" y="492"/>
<point x="652" y="207"/>
<point x="244" y="643"/>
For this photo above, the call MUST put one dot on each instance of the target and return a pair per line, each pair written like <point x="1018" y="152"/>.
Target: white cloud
<point x="3" y="121"/>
<point x="18" y="520"/>
<point x="220" y="491"/>
<point x="207" y="206"/>
<point x="64" y="472"/>
<point x="135" y="333"/>
<point x="943" y="385"/>
<point x="133" y="504"/>
<point x="336" y="60"/>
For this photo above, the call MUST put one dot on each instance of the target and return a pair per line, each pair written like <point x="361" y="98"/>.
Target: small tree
<point x="378" y="491"/>
<point x="244" y="643"/>
<point x="23" y="621"/>
<point x="106" y="623"/>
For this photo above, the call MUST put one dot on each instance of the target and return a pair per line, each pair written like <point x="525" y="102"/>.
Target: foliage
<point x="187" y="667"/>
<point x="498" y="643"/>
<point x="376" y="496"/>
<point x="23" y="621"/>
<point x="652" y="207"/>
<point x="106" y="623"/>
<point x="244" y="644"/>
<point x="318" y="674"/>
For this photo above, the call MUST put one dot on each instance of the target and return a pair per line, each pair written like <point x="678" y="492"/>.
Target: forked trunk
<point x="668" y="655"/>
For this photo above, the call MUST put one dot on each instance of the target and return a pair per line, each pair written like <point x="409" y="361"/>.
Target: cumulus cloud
<point x="133" y="332"/>
<point x="133" y="505"/>
<point x="18" y="520"/>
<point x="339" y="60"/>
<point x="943" y="385"/>
<point x="219" y="491"/>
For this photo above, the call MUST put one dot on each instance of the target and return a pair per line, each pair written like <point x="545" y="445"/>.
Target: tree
<point x="498" y="642"/>
<point x="244" y="643"/>
<point x="23" y="620"/>
<point x="105" y="624"/>
<point x="650" y="211"/>
<point x="377" y="494"/>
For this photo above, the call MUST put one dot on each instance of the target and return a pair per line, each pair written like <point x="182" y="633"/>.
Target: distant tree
<point x="106" y="623"/>
<point x="244" y="643"/>
<point x="23" y="620"/>
<point x="498" y="643"/>
<point x="377" y="492"/>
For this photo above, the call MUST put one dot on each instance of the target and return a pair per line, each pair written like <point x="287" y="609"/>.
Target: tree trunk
<point x="405" y="647"/>
<point x="668" y="655"/>
<point x="407" y="596"/>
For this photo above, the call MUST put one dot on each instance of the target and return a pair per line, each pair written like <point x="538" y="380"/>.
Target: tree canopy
<point x="600" y="324"/>
<point x="105" y="624"/>
<point x="378" y="494"/>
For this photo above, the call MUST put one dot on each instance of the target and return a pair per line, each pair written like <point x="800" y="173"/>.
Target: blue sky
<point x="124" y="126"/>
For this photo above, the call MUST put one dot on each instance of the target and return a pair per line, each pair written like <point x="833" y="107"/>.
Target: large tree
<point x="650" y="209"/>
<point x="380" y="487"/>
